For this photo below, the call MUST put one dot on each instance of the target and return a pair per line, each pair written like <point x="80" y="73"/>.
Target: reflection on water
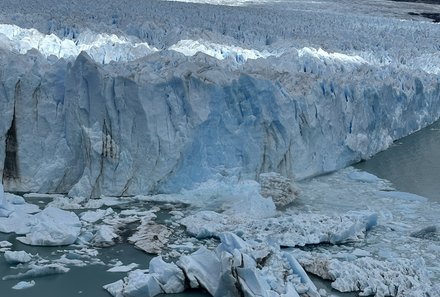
<point x="412" y="164"/>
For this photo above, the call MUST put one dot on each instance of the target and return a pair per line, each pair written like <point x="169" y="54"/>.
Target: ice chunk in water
<point x="24" y="285"/>
<point x="14" y="257"/>
<point x="170" y="276"/>
<point x="52" y="227"/>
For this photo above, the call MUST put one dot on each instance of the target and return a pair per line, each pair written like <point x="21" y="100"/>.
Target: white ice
<point x="231" y="269"/>
<point x="372" y="277"/>
<point x="52" y="226"/>
<point x="5" y="244"/>
<point x="123" y="268"/>
<point x="94" y="216"/>
<point x="15" y="257"/>
<point x="218" y="51"/>
<point x="104" y="48"/>
<point x="24" y="285"/>
<point x="38" y="271"/>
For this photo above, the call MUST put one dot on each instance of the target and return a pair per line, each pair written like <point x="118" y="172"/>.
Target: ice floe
<point x="105" y="235"/>
<point x="39" y="271"/>
<point x="123" y="268"/>
<point x="5" y="244"/>
<point x="24" y="285"/>
<point x="15" y="257"/>
<point x="150" y="237"/>
<point x="215" y="246"/>
<point x="94" y="216"/>
<point x="52" y="226"/>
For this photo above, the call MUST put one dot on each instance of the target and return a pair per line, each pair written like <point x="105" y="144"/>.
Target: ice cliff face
<point x="123" y="118"/>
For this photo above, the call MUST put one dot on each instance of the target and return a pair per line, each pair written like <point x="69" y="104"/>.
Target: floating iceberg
<point x="24" y="285"/>
<point x="38" y="271"/>
<point x="15" y="257"/>
<point x="52" y="226"/>
<point x="122" y="268"/>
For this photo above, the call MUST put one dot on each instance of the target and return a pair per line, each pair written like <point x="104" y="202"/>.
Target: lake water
<point x="79" y="281"/>
<point x="412" y="163"/>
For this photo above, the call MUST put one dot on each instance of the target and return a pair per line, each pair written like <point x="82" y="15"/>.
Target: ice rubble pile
<point x="369" y="276"/>
<point x="234" y="268"/>
<point x="238" y="267"/>
<point x="216" y="110"/>
<point x="250" y="259"/>
<point x="282" y="190"/>
<point x="51" y="226"/>
<point x="288" y="231"/>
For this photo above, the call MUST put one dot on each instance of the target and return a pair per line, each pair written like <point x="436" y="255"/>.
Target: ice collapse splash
<point x="167" y="121"/>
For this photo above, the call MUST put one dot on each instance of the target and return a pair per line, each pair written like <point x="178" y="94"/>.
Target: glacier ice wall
<point x="104" y="122"/>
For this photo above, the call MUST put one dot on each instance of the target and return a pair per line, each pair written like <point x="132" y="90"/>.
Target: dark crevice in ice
<point x="434" y="16"/>
<point x="10" y="169"/>
<point x="419" y="1"/>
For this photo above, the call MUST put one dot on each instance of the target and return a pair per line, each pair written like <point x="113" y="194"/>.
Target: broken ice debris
<point x="52" y="227"/>
<point x="150" y="237"/>
<point x="39" y="270"/>
<point x="24" y="285"/>
<point x="400" y="277"/>
<point x="281" y="189"/>
<point x="15" y="257"/>
<point x="289" y="231"/>
<point x="234" y="268"/>
<point x="123" y="268"/>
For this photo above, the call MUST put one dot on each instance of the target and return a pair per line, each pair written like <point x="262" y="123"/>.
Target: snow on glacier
<point x="104" y="48"/>
<point x="218" y="51"/>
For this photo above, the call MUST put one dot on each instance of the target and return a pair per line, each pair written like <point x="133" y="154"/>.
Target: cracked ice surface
<point x="400" y="217"/>
<point x="399" y="277"/>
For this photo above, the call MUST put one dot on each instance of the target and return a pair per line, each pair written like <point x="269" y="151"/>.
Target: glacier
<point x="190" y="131"/>
<point x="117" y="105"/>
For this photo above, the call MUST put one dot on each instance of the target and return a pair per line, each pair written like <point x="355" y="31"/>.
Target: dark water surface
<point x="79" y="281"/>
<point x="412" y="163"/>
